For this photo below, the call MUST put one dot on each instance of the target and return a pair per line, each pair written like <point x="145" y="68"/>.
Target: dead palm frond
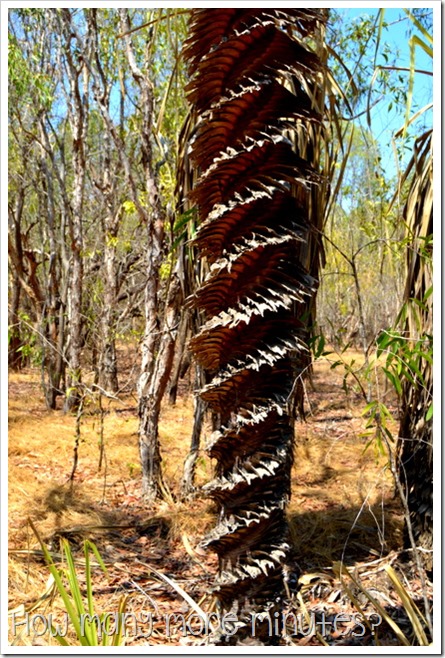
<point x="415" y="434"/>
<point x="257" y="90"/>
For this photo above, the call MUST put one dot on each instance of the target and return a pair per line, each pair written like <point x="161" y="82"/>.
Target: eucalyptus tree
<point x="38" y="193"/>
<point x="98" y="107"/>
<point x="162" y="304"/>
<point x="52" y="114"/>
<point x="78" y="101"/>
<point x="105" y="66"/>
<point x="148" y="171"/>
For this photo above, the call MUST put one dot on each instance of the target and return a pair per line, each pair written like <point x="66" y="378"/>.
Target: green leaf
<point x="394" y="379"/>
<point x="384" y="411"/>
<point x="370" y="407"/>
<point x="382" y="341"/>
<point x="75" y="591"/>
<point x="415" y="369"/>
<point x="60" y="639"/>
<point x="184" y="219"/>
<point x="118" y="639"/>
<point x="428" y="293"/>
<point x="72" y="613"/>
<point x="89" y="591"/>
<point x="319" y="346"/>
<point x="429" y="413"/>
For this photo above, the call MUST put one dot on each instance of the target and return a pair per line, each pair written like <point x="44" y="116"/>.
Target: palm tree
<point x="415" y="445"/>
<point x="254" y="90"/>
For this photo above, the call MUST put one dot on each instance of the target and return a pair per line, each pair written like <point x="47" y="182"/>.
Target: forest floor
<point x="345" y="521"/>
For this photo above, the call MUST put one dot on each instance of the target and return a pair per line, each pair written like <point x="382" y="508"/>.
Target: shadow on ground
<point x="347" y="534"/>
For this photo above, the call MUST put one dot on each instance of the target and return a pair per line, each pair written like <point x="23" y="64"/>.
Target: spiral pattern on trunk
<point x="250" y="75"/>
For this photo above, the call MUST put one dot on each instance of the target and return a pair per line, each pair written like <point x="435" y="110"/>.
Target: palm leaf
<point x="257" y="92"/>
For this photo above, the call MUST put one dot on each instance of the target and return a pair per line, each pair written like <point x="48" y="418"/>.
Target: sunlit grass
<point x="339" y="491"/>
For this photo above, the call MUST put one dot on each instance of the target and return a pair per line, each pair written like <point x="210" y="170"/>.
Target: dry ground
<point x="343" y="508"/>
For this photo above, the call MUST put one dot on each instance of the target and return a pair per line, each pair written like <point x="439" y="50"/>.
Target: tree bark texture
<point x="52" y="361"/>
<point x="254" y="198"/>
<point x="155" y="373"/>
<point x="157" y="349"/>
<point x="108" y="360"/>
<point x="78" y="76"/>
<point x="15" y="356"/>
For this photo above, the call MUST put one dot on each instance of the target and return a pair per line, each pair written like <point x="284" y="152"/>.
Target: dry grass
<point x="342" y="505"/>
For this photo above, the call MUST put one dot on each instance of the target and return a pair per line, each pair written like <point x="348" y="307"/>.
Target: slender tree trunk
<point x="158" y="343"/>
<point x="188" y="478"/>
<point x="155" y="373"/>
<point x="15" y="356"/>
<point x="25" y="279"/>
<point x="108" y="359"/>
<point x="76" y="69"/>
<point x="51" y="361"/>
<point x="180" y="349"/>
<point x="75" y="304"/>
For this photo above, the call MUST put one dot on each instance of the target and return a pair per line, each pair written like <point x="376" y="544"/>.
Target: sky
<point x="386" y="121"/>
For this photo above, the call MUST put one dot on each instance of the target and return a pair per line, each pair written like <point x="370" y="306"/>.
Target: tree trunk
<point x="188" y="478"/>
<point x="79" y="119"/>
<point x="158" y="343"/>
<point x="108" y="360"/>
<point x="15" y="356"/>
<point x="181" y="356"/>
<point x="155" y="372"/>
<point x="255" y="206"/>
<point x="50" y="327"/>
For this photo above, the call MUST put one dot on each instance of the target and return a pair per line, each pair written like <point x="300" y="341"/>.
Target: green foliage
<point x="400" y="358"/>
<point x="129" y="207"/>
<point x="367" y="66"/>
<point x="368" y="239"/>
<point x="157" y="37"/>
<point x="133" y="468"/>
<point x="29" y="79"/>
<point x="377" y="427"/>
<point x="185" y="225"/>
<point x="30" y="349"/>
<point x="425" y="43"/>
<point x="166" y="267"/>
<point x="353" y="44"/>
<point x="338" y="358"/>
<point x="404" y="358"/>
<point x="90" y="628"/>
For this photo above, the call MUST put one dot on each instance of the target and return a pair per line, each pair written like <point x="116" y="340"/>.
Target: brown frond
<point x="256" y="155"/>
<point x="416" y="429"/>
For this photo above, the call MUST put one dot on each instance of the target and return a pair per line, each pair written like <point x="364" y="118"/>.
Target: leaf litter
<point x="343" y="512"/>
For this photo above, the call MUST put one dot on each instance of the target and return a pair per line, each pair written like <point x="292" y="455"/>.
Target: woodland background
<point x="102" y="261"/>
